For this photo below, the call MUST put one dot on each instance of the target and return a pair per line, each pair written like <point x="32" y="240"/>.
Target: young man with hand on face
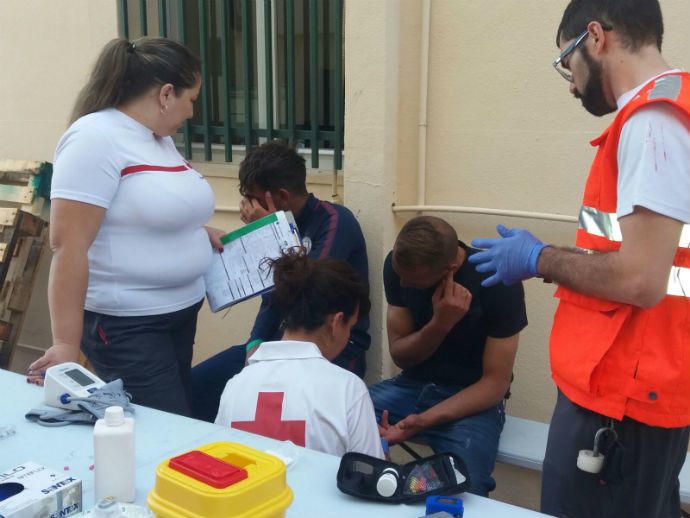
<point x="455" y="342"/>
<point x="273" y="177"/>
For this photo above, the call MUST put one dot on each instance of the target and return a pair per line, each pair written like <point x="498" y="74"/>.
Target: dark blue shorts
<point x="151" y="354"/>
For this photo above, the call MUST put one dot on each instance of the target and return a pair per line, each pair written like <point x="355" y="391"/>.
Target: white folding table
<point x="160" y="435"/>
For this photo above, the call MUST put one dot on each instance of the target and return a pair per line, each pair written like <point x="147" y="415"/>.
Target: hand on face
<point x="450" y="302"/>
<point x="252" y="209"/>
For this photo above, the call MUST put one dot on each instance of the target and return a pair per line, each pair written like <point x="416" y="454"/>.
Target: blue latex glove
<point x="513" y="256"/>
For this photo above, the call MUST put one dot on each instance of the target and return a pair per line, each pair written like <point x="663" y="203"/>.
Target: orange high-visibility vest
<point x="614" y="358"/>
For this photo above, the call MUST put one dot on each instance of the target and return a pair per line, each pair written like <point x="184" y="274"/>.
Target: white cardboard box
<point x="44" y="493"/>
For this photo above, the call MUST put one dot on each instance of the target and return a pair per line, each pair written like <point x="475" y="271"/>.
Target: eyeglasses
<point x="559" y="65"/>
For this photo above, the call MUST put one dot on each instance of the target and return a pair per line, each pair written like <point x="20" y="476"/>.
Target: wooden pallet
<point x="23" y="237"/>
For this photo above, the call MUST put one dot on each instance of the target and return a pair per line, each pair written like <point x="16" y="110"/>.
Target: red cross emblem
<point x="267" y="422"/>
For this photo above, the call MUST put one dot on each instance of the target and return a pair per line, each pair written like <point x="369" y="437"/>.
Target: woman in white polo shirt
<point x="127" y="225"/>
<point x="290" y="390"/>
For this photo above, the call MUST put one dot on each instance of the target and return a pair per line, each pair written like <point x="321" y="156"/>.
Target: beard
<point x="593" y="98"/>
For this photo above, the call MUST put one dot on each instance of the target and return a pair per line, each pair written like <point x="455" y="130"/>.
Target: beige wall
<point x="46" y="49"/>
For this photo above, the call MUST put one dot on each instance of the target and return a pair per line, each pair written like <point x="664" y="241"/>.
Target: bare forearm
<point x="476" y="398"/>
<point x="601" y="275"/>
<point x="69" y="275"/>
<point x="416" y="347"/>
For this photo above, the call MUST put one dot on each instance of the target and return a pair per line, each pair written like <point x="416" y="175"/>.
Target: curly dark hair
<point x="272" y="166"/>
<point x="308" y="290"/>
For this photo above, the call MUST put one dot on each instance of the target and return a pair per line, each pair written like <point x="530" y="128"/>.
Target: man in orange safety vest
<point x="620" y="342"/>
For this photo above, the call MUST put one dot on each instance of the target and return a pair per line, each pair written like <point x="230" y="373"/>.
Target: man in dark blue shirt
<point x="455" y="342"/>
<point x="273" y="177"/>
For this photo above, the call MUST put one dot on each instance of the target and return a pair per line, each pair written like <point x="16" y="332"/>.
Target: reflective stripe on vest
<point x="679" y="282"/>
<point x="666" y="87"/>
<point x="599" y="223"/>
<point x="605" y="224"/>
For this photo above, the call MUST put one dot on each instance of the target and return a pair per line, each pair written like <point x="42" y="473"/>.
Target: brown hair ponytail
<point x="125" y="71"/>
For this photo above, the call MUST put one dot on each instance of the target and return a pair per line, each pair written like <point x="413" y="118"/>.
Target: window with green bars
<point x="270" y="69"/>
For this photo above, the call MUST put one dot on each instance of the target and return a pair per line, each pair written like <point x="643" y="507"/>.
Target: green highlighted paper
<point x="241" y="272"/>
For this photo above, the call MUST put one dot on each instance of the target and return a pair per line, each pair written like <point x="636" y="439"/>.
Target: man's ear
<point x="282" y="197"/>
<point x="339" y="318"/>
<point x="457" y="261"/>
<point x="331" y="324"/>
<point x="598" y="36"/>
<point x="335" y="320"/>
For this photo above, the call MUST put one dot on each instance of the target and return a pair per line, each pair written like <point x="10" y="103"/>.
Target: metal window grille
<point x="270" y="69"/>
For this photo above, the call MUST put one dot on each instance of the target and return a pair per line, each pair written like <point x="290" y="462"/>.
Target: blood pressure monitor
<point x="66" y="381"/>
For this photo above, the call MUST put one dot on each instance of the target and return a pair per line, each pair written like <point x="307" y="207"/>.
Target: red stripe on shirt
<point x="332" y="228"/>
<point x="141" y="168"/>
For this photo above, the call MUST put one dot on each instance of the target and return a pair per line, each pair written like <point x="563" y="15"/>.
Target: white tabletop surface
<point x="160" y="435"/>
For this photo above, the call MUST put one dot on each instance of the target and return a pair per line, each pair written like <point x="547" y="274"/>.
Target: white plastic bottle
<point x="113" y="446"/>
<point x="387" y="484"/>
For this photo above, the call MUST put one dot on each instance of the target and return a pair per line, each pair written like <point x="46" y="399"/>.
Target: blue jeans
<point x="473" y="438"/>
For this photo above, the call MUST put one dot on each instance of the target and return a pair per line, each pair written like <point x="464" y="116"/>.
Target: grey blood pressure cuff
<point x="90" y="410"/>
<point x="375" y="479"/>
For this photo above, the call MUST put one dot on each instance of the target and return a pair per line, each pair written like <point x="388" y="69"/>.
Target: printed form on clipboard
<point x="241" y="271"/>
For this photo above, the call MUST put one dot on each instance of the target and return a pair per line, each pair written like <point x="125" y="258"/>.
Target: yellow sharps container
<point x="221" y="479"/>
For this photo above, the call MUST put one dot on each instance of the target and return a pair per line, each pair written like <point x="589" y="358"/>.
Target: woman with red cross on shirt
<point x="290" y="390"/>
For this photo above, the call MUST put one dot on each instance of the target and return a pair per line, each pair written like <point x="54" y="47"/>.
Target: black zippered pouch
<point x="371" y="478"/>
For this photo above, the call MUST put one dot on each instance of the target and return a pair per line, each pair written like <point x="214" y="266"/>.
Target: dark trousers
<point x="151" y="354"/>
<point x="210" y="377"/>
<point x="651" y="461"/>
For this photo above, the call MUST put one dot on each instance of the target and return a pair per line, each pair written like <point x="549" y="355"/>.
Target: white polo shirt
<point x="289" y="391"/>
<point x="151" y="250"/>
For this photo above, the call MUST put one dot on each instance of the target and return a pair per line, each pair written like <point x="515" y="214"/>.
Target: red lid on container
<point x="207" y="469"/>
